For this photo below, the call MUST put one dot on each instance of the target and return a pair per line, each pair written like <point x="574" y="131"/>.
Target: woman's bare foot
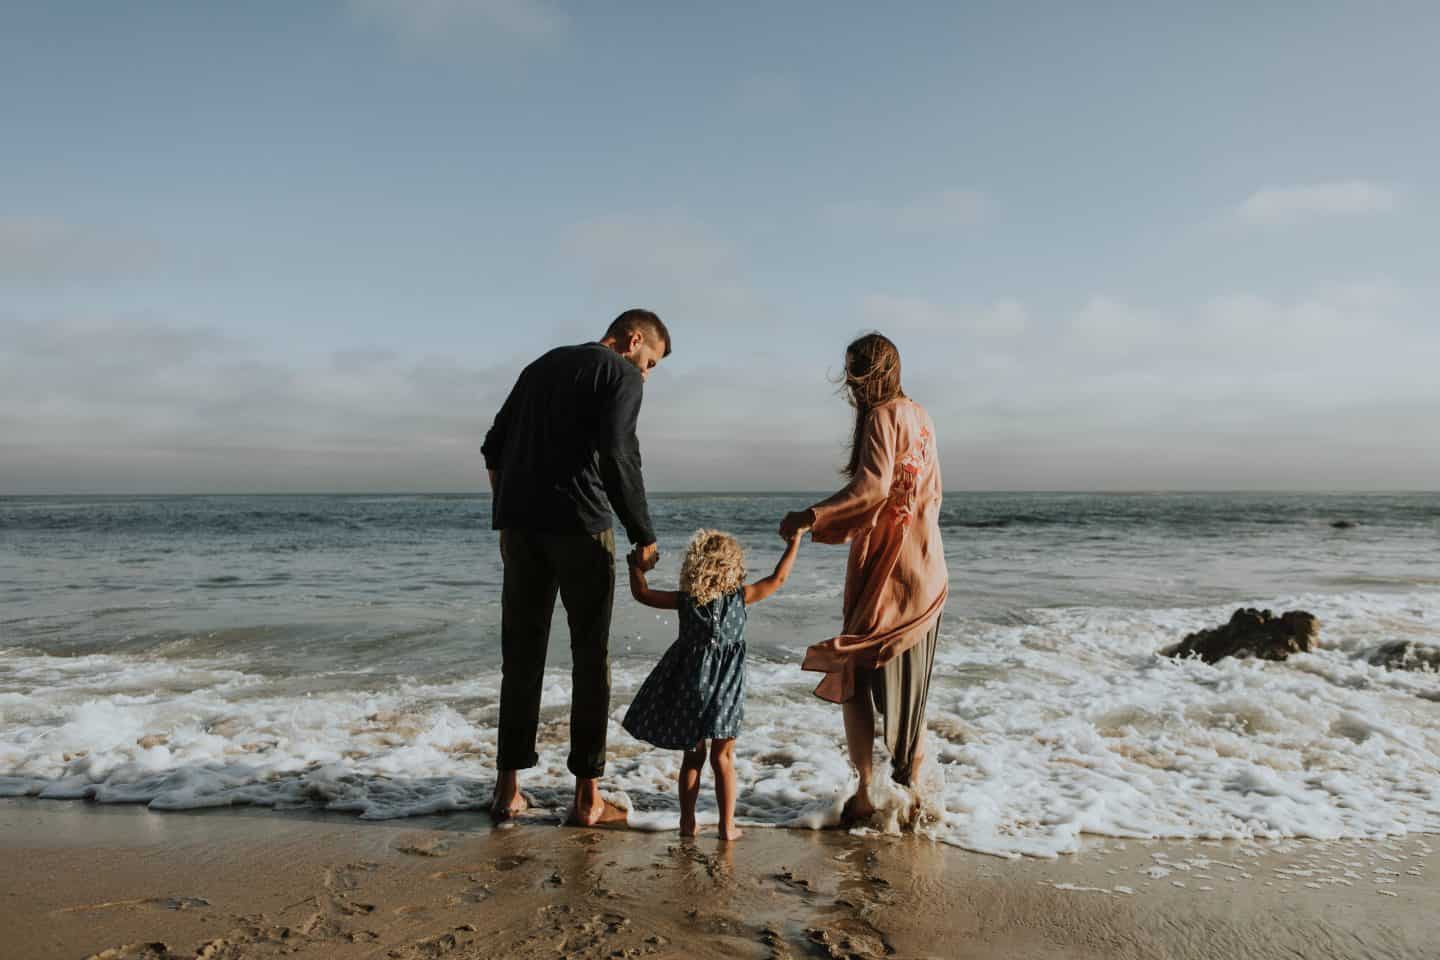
<point x="730" y="832"/>
<point x="688" y="827"/>
<point x="857" y="810"/>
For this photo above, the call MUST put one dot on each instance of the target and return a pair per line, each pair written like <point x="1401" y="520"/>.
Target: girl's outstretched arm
<point x="640" y="590"/>
<point x="760" y="589"/>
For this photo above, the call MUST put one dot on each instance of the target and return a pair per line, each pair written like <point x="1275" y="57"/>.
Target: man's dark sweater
<point x="564" y="440"/>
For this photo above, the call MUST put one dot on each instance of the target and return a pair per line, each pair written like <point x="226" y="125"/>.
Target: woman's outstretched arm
<point x="761" y="589"/>
<point x="640" y="590"/>
<point x="853" y="507"/>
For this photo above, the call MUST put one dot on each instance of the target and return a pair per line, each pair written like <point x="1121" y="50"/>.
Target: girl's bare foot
<point x="687" y="825"/>
<point x="730" y="832"/>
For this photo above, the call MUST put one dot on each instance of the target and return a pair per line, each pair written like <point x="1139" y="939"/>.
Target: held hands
<point x="796" y="523"/>
<point x="644" y="557"/>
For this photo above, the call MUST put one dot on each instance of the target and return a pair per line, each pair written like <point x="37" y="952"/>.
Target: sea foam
<point x="1063" y="724"/>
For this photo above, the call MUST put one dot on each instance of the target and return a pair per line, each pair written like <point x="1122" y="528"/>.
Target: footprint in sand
<point x="154" y="903"/>
<point x="429" y="847"/>
<point x="136" y="951"/>
<point x="349" y="876"/>
<point x="850" y="940"/>
<point x="437" y="946"/>
<point x="342" y="882"/>
<point x="475" y="895"/>
<point x="788" y="880"/>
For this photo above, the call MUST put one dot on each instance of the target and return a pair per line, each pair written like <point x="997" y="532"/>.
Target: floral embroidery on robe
<point x="896" y="582"/>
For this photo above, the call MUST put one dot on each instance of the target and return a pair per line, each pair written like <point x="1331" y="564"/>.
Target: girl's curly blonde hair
<point x="714" y="566"/>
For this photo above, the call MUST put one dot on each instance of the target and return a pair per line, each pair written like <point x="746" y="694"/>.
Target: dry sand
<point x="123" y="882"/>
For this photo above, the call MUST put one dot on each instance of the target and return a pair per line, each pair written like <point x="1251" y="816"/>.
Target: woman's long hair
<point x="872" y="377"/>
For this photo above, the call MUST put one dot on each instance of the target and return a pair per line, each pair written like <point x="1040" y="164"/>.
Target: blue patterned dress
<point x="697" y="690"/>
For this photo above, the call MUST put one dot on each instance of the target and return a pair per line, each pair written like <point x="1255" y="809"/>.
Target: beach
<point x="125" y="882"/>
<point x="993" y="453"/>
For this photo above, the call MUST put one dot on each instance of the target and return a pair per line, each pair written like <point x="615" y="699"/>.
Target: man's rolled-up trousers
<point x="580" y="568"/>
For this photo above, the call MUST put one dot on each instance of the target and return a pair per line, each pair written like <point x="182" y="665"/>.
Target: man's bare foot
<point x="508" y="800"/>
<point x="857" y="810"/>
<point x="688" y="827"/>
<point x="730" y="832"/>
<point x="604" y="814"/>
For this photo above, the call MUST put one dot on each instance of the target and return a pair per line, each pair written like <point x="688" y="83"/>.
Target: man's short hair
<point x="646" y="322"/>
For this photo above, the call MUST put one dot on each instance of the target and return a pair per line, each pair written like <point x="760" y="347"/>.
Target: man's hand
<point x="645" y="557"/>
<point x="795" y="523"/>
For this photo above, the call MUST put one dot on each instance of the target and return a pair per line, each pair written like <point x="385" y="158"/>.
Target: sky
<point x="280" y="246"/>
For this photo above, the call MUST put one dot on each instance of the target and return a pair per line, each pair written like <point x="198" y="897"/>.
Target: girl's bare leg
<point x="722" y="761"/>
<point x="860" y="737"/>
<point x="690" y="766"/>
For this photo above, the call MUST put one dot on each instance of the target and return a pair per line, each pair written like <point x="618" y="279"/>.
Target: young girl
<point x="697" y="690"/>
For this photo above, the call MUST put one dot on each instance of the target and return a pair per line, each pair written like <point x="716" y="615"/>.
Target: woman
<point x="895" y="581"/>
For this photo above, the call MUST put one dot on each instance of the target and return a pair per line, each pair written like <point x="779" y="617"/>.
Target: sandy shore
<point x="123" y="882"/>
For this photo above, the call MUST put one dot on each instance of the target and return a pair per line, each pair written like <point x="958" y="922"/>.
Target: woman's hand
<point x="795" y="523"/>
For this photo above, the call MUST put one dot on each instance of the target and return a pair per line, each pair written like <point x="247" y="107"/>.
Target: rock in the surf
<point x="1406" y="655"/>
<point x="1343" y="524"/>
<point x="1251" y="633"/>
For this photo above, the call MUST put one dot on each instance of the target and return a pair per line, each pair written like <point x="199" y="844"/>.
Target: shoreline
<point x="125" y="883"/>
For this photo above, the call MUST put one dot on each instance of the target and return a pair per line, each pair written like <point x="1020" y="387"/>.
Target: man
<point x="561" y="453"/>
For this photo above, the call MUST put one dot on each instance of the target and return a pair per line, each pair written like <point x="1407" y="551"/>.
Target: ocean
<point x="342" y="653"/>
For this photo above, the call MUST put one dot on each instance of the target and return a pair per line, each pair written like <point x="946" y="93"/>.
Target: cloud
<point x="677" y="265"/>
<point x="133" y="403"/>
<point x="755" y="421"/>
<point x="1282" y="205"/>
<point x="646" y="247"/>
<point x="463" y="20"/>
<point x="942" y="211"/>
<point x="946" y="210"/>
<point x="1003" y="318"/>
<point x="1243" y="323"/>
<point x="1327" y="388"/>
<point x="45" y="251"/>
<point x="1107" y="324"/>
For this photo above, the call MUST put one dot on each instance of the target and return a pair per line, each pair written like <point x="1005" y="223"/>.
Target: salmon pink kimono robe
<point x="896" y="581"/>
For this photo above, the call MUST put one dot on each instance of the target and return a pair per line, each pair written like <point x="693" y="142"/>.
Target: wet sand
<point x="124" y="882"/>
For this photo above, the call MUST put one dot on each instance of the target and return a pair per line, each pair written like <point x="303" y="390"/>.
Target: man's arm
<point x="493" y="448"/>
<point x="619" y="456"/>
